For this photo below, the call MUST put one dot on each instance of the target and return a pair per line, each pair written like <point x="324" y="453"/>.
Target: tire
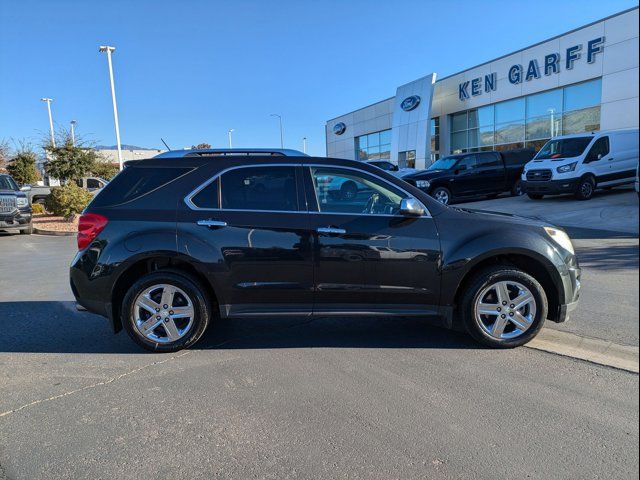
<point x="535" y="196"/>
<point x="27" y="231"/>
<point x="442" y="195"/>
<point x="188" y="330"/>
<point x="348" y="190"/>
<point x="585" y="188"/>
<point x="481" y="290"/>
<point x="517" y="189"/>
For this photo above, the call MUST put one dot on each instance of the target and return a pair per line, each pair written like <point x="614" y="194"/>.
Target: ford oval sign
<point x="339" y="128"/>
<point x="410" y="103"/>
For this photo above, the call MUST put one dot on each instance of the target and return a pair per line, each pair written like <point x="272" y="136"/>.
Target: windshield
<point x="7" y="183"/>
<point x="444" y="163"/>
<point x="563" y="148"/>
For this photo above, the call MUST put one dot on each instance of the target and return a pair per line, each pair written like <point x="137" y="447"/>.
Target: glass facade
<point x="374" y="146"/>
<point x="528" y="121"/>
<point x="434" y="135"/>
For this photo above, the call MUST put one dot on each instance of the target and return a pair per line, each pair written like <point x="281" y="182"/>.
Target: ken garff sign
<point x="339" y="128"/>
<point x="518" y="74"/>
<point x="410" y="103"/>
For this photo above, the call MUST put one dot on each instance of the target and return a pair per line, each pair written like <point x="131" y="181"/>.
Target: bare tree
<point x="5" y="153"/>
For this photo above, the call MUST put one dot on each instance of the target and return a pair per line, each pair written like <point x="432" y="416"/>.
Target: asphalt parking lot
<point x="362" y="398"/>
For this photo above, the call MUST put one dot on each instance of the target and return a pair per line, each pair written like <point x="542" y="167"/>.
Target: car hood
<point x="427" y="174"/>
<point x="10" y="192"/>
<point x="501" y="217"/>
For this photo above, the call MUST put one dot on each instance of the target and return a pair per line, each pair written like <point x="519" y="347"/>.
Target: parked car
<point x="392" y="168"/>
<point x="15" y="210"/>
<point x="38" y="193"/>
<point x="472" y="175"/>
<point x="172" y="243"/>
<point x="579" y="164"/>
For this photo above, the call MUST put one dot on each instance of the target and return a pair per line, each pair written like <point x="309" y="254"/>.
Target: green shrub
<point x="38" y="209"/>
<point x="23" y="167"/>
<point x="68" y="200"/>
<point x="105" y="170"/>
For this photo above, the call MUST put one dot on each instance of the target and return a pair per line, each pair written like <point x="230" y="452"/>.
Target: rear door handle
<point x="331" y="231"/>
<point x="212" y="223"/>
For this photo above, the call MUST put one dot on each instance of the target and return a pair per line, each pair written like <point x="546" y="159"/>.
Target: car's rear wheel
<point x="503" y="307"/>
<point x="166" y="311"/>
<point x="441" y="194"/>
<point x="517" y="189"/>
<point x="585" y="188"/>
<point x="348" y="190"/>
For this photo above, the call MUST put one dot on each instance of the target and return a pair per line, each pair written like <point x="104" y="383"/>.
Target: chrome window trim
<point x="192" y="206"/>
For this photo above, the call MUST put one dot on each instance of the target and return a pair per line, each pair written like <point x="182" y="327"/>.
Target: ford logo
<point x="339" y="128"/>
<point x="410" y="103"/>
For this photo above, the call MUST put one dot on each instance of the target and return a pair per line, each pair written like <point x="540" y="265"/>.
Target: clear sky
<point x="190" y="70"/>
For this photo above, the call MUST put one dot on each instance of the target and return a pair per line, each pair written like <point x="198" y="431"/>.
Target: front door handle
<point x="331" y="231"/>
<point x="212" y="223"/>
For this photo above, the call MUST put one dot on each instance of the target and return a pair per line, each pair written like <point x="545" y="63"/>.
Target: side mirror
<point x="410" y="207"/>
<point x="599" y="156"/>
<point x="460" y="168"/>
<point x="395" y="168"/>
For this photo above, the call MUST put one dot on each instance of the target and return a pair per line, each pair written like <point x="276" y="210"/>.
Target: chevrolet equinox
<point x="176" y="241"/>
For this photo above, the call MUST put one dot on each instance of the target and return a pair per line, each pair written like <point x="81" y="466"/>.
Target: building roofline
<point x="540" y="43"/>
<point x="361" y="108"/>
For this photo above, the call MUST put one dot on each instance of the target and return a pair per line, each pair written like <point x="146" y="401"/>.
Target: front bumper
<point x="572" y="286"/>
<point x="16" y="220"/>
<point x="551" y="187"/>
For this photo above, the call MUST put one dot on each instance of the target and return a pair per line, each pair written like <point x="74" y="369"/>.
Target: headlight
<point x="22" y="202"/>
<point x="567" y="168"/>
<point x="423" y="183"/>
<point x="561" y="238"/>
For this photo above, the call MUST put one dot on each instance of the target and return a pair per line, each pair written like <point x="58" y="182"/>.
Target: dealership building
<point x="583" y="80"/>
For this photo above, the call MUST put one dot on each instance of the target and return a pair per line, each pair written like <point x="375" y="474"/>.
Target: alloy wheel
<point x="505" y="309"/>
<point x="163" y="313"/>
<point x="442" y="196"/>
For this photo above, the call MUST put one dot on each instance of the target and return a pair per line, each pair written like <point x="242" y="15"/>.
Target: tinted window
<point x="93" y="183"/>
<point x="600" y="147"/>
<point x="134" y="182"/>
<point x="347" y="191"/>
<point x="468" y="161"/>
<point x="488" y="160"/>
<point x="208" y="196"/>
<point x="260" y="188"/>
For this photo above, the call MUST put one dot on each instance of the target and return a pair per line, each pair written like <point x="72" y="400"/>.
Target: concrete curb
<point x="54" y="233"/>
<point x="602" y="352"/>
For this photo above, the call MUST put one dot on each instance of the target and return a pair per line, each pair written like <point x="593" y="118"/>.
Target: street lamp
<point x="281" y="133"/>
<point x="48" y="102"/>
<point x="73" y="132"/>
<point x="109" y="50"/>
<point x="304" y="144"/>
<point x="229" y="133"/>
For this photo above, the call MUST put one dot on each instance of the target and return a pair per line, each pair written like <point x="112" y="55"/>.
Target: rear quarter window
<point x="135" y="182"/>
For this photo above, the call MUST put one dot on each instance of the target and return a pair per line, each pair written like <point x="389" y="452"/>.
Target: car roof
<point x="596" y="133"/>
<point x="220" y="152"/>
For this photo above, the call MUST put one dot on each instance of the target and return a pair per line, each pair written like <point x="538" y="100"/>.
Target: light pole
<point x="73" y="132"/>
<point x="281" y="132"/>
<point x="53" y="138"/>
<point x="304" y="144"/>
<point x="108" y="50"/>
<point x="229" y="133"/>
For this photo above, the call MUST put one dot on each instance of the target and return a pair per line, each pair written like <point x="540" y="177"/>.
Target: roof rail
<point x="221" y="152"/>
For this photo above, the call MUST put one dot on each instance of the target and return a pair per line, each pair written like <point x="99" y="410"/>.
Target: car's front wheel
<point x="165" y="311"/>
<point x="503" y="307"/>
<point x="442" y="194"/>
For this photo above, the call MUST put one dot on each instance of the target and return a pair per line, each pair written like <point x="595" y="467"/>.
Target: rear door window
<point x="260" y="188"/>
<point x="134" y="182"/>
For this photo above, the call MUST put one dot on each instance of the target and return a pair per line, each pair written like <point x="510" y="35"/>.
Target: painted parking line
<point x="602" y="352"/>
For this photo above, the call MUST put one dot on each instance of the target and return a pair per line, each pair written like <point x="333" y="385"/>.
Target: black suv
<point x="473" y="174"/>
<point x="173" y="242"/>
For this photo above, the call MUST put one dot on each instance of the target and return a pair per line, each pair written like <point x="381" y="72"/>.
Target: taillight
<point x="89" y="226"/>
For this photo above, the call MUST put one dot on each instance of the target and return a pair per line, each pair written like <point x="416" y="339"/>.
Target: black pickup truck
<point x="15" y="211"/>
<point x="473" y="175"/>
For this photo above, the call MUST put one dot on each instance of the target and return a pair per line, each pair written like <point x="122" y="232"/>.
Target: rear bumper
<point x="551" y="187"/>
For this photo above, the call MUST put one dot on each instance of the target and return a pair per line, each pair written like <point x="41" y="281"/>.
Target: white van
<point x="580" y="163"/>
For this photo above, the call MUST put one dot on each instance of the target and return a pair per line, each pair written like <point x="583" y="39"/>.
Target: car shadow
<point x="56" y="327"/>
